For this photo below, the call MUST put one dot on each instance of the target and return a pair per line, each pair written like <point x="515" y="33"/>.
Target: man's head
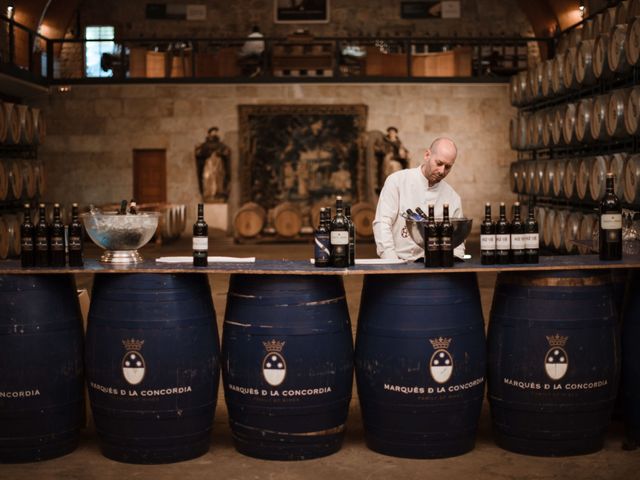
<point x="392" y="133"/>
<point x="439" y="159"/>
<point x="212" y="134"/>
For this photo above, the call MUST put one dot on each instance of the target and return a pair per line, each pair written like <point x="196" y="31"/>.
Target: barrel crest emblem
<point x="274" y="367"/>
<point x="556" y="359"/>
<point x="133" y="364"/>
<point x="441" y="363"/>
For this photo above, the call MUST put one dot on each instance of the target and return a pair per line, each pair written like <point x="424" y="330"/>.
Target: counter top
<point x="302" y="267"/>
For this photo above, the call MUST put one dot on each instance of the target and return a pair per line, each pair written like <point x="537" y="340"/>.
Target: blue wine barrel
<point x="420" y="363"/>
<point x="631" y="362"/>
<point x="41" y="367"/>
<point x="152" y="366"/>
<point x="287" y="365"/>
<point x="553" y="361"/>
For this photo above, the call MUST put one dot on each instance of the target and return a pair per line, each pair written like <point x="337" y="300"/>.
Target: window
<point x="95" y="49"/>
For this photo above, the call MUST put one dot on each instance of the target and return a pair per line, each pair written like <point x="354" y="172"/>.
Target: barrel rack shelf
<point x="300" y="267"/>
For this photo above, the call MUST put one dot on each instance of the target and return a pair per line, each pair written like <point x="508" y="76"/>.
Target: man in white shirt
<point x="411" y="188"/>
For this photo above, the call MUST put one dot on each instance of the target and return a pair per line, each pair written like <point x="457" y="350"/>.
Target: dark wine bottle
<point x="531" y="239"/>
<point x="322" y="242"/>
<point x="76" y="238"/>
<point x="339" y="237"/>
<point x="123" y="208"/>
<point x="57" y="257"/>
<point x="517" y="236"/>
<point x="27" y="237"/>
<point x="352" y="236"/>
<point x="133" y="207"/>
<point x="42" y="238"/>
<point x="414" y="216"/>
<point x="487" y="238"/>
<point x="421" y="213"/>
<point x="200" y="240"/>
<point x="610" y="233"/>
<point x="503" y="237"/>
<point x="431" y="241"/>
<point x="446" y="238"/>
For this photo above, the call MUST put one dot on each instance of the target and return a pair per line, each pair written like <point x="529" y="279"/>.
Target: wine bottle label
<point x="532" y="241"/>
<point x="340" y="238"/>
<point x="322" y="244"/>
<point x="432" y="244"/>
<point x="517" y="241"/>
<point x="445" y="242"/>
<point x="503" y="242"/>
<point x="611" y="221"/>
<point x="27" y="244"/>
<point x="57" y="243"/>
<point x="487" y="242"/>
<point x="201" y="243"/>
<point x="42" y="244"/>
<point x="75" y="243"/>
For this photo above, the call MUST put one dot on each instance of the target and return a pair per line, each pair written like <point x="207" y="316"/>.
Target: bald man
<point x="411" y="188"/>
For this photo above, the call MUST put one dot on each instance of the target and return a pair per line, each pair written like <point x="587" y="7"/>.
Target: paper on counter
<point x="210" y="259"/>
<point x="373" y="261"/>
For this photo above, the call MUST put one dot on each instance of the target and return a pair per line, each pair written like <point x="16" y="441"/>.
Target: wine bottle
<point x="57" y="257"/>
<point x="610" y="233"/>
<point x="352" y="236"/>
<point x="503" y="238"/>
<point x="421" y="213"/>
<point x="431" y="241"/>
<point x="446" y="241"/>
<point x="322" y="242"/>
<point x="42" y="239"/>
<point x="531" y="239"/>
<point x="76" y="235"/>
<point x="414" y="216"/>
<point x="133" y="207"/>
<point x="27" y="235"/>
<point x="339" y="237"/>
<point x="200" y="240"/>
<point x="517" y="236"/>
<point x="487" y="238"/>
<point x="123" y="208"/>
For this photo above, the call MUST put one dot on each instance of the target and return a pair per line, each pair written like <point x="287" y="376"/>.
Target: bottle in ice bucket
<point x="322" y="242"/>
<point x="446" y="238"/>
<point x="431" y="241"/>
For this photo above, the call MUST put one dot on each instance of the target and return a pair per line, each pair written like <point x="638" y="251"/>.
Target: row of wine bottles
<point x="505" y="242"/>
<point x="335" y="238"/>
<point x="438" y="236"/>
<point x="48" y="245"/>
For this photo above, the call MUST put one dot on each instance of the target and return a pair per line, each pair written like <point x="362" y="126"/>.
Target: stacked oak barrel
<point x="22" y="175"/>
<point x="579" y="118"/>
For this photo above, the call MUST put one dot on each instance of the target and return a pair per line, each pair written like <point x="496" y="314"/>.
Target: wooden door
<point x="150" y="176"/>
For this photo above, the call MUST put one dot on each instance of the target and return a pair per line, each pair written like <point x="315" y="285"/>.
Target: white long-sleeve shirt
<point x="409" y="189"/>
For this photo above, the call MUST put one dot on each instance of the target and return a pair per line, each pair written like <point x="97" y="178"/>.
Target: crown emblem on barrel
<point x="556" y="340"/>
<point x="440" y="343"/>
<point x="132" y="345"/>
<point x="273" y="346"/>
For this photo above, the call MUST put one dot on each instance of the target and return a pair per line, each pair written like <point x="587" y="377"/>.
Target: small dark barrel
<point x="287" y="365"/>
<point x="553" y="361"/>
<point x="420" y="363"/>
<point x="152" y="366"/>
<point x="41" y="369"/>
<point x="630" y="361"/>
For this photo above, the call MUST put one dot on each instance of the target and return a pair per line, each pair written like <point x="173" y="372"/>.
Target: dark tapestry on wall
<point x="305" y="154"/>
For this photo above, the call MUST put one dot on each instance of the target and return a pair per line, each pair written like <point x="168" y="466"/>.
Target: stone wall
<point x="347" y="17"/>
<point x="93" y="130"/>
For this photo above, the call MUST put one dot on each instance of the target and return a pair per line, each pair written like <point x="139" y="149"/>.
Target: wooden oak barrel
<point x="632" y="179"/>
<point x="529" y="183"/>
<point x="569" y="78"/>
<point x="584" y="63"/>
<point x="535" y="80"/>
<point x="569" y="124"/>
<point x="539" y="120"/>
<point x="513" y="90"/>
<point x="617" y="46"/>
<point x="601" y="68"/>
<point x="633" y="10"/>
<point x="10" y="124"/>
<point x="4" y="181"/>
<point x="547" y="178"/>
<point x="514" y="171"/>
<point x="559" y="167"/>
<point x="533" y="137"/>
<point x="538" y="176"/>
<point x="588" y="226"/>
<point x="41" y="179"/>
<point x="362" y="216"/>
<point x="523" y="89"/>
<point x="5" y="241"/>
<point x="597" y="177"/>
<point x="249" y="220"/>
<point x="617" y="162"/>
<point x="287" y="219"/>
<point x="622" y="12"/>
<point x="547" y="126"/>
<point x="559" y="224"/>
<point x="569" y="180"/>
<point x="13" y="232"/>
<point x="614" y="121"/>
<point x="25" y="118"/>
<point x="547" y="233"/>
<point x="547" y="73"/>
<point x="587" y="29"/>
<point x="29" y="177"/>
<point x="582" y="178"/>
<point x="598" y="117"/>
<point x="39" y="126"/>
<point x="522" y="176"/>
<point x="632" y="50"/>
<point x="16" y="180"/>
<point x="609" y="19"/>
<point x="558" y="125"/>
<point x="554" y="361"/>
<point x="557" y="74"/>
<point x="632" y="112"/>
<point x="583" y="120"/>
<point x="540" y="215"/>
<point x="572" y="232"/>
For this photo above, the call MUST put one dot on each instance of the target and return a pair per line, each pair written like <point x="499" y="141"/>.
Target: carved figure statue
<point x="213" y="162"/>
<point x="391" y="155"/>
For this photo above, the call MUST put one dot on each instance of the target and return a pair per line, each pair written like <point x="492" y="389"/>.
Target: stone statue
<point x="213" y="162"/>
<point x="391" y="156"/>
